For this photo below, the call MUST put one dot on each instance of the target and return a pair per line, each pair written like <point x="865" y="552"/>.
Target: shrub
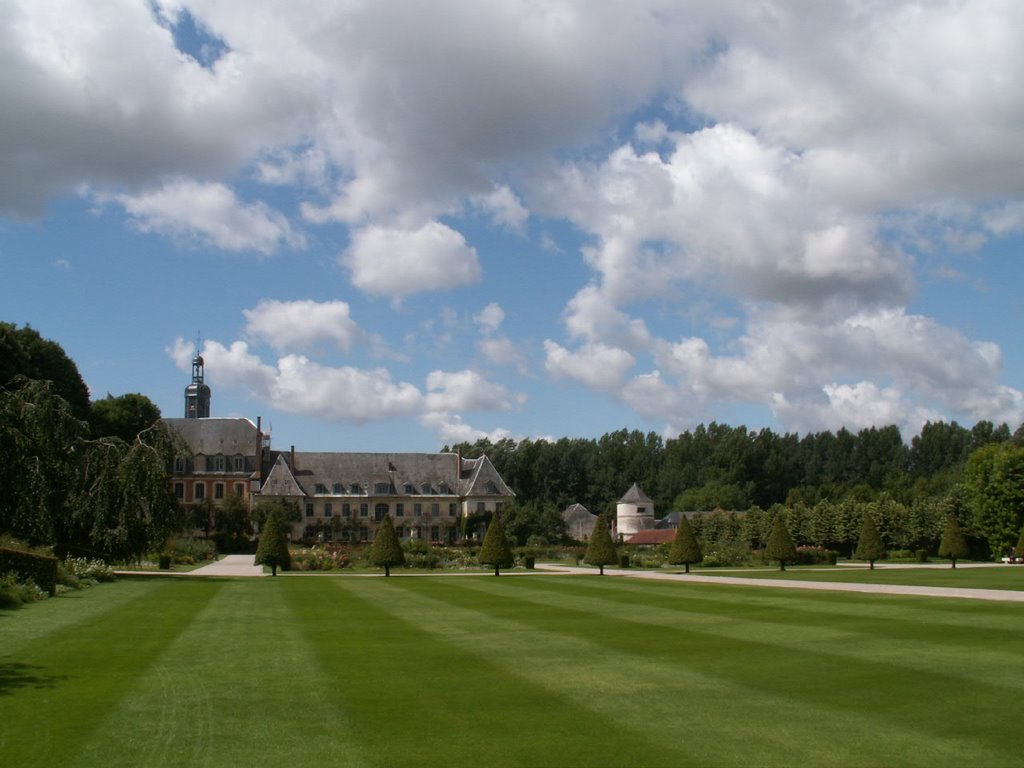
<point x="808" y="555"/>
<point x="15" y="591"/>
<point x="165" y="561"/>
<point x="40" y="569"/>
<point x="921" y="556"/>
<point x="89" y="568"/>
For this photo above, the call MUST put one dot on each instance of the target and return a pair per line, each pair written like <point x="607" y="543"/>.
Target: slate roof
<point x="635" y="496"/>
<point x="671" y="520"/>
<point x="210" y="437"/>
<point x="367" y="474"/>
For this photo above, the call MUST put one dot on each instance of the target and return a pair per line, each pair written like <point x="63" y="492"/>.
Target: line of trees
<point x="824" y="482"/>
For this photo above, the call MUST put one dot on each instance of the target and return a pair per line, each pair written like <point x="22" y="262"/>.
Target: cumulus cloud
<point x="595" y="365"/>
<point x="211" y="214"/>
<point x="464" y="391"/>
<point x="401" y="262"/>
<point x="301" y="324"/>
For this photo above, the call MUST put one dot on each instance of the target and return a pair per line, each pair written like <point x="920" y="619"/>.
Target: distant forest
<point x="733" y="468"/>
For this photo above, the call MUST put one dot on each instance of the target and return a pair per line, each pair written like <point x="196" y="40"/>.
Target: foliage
<point x="189" y="550"/>
<point x="685" y="549"/>
<point x="780" y="545"/>
<point x="601" y="549"/>
<point x="287" y="512"/>
<point x="869" y="545"/>
<point x="232" y="525"/>
<point x="320" y="558"/>
<point x="88" y="568"/>
<point x="386" y="549"/>
<point x="953" y="545"/>
<point x="273" y="547"/>
<point x="17" y="590"/>
<point x="994" y="478"/>
<point x="533" y="520"/>
<point x="123" y="417"/>
<point x="496" y="549"/>
<point x="28" y="566"/>
<point x="23" y="352"/>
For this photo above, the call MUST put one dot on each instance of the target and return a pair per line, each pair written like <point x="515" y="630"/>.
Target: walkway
<point x="230" y="565"/>
<point x="1008" y="595"/>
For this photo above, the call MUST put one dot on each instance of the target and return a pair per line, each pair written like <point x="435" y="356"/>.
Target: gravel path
<point x="1007" y="595"/>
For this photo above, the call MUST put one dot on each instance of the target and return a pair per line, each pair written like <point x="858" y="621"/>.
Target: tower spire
<point x="197" y="394"/>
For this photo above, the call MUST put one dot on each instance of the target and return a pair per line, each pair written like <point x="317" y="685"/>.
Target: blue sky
<point x="399" y="225"/>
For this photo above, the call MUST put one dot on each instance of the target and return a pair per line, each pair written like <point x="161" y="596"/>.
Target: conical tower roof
<point x="635" y="496"/>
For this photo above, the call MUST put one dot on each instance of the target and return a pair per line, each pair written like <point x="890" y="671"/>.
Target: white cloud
<point x="595" y="365"/>
<point x="402" y="262"/>
<point x="211" y="214"/>
<point x="504" y="207"/>
<point x="500" y="350"/>
<point x="490" y="318"/>
<point x="301" y="324"/>
<point x="464" y="391"/>
<point x="451" y="429"/>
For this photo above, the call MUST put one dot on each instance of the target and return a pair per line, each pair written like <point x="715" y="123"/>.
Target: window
<point x="498" y="506"/>
<point x="321" y="488"/>
<point x="480" y="508"/>
<point x="409" y="489"/>
<point x="453" y="509"/>
<point x="239" y="489"/>
<point x="327" y="510"/>
<point x="364" y="510"/>
<point x="218" y="490"/>
<point x="239" y="464"/>
<point x="338" y="489"/>
<point x="425" y="489"/>
<point x="179" y="464"/>
<point x="179" y="491"/>
<point x="435" y="533"/>
<point x="309" y="510"/>
<point x="445" y="489"/>
<point x="400" y="532"/>
<point x="380" y="512"/>
<point x="399" y="509"/>
<point x="417" y="510"/>
<point x="641" y="510"/>
<point x="354" y="489"/>
<point x="218" y="463"/>
<point x="382" y="488"/>
<point x="364" y="534"/>
<point x="199" y="491"/>
<point x="435" y="510"/>
<point x="346" y="510"/>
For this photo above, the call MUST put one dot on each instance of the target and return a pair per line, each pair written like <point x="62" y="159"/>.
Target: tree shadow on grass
<point x="15" y="675"/>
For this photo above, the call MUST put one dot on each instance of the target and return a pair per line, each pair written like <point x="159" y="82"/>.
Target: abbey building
<point x="427" y="495"/>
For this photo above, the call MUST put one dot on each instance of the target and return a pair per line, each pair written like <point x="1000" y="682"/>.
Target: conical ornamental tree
<point x="953" y="544"/>
<point x="386" y="549"/>
<point x="601" y="549"/>
<point x="780" y="544"/>
<point x="685" y="549"/>
<point x="496" y="550"/>
<point x="869" y="545"/>
<point x="273" y="547"/>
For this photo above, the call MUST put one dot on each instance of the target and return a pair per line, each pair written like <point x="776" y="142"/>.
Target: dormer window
<point x="425" y="489"/>
<point x="381" y="488"/>
<point x="321" y="488"/>
<point x="354" y="489"/>
<point x="444" y="489"/>
<point x="409" y="489"/>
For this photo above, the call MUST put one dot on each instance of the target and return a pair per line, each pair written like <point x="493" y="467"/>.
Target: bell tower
<point x="197" y="394"/>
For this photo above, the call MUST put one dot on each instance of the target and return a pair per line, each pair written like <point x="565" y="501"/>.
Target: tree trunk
<point x="496" y="571"/>
<point x="273" y="570"/>
<point x="687" y="567"/>
<point x="954" y="562"/>
<point x="871" y="565"/>
<point x="602" y="569"/>
<point x="387" y="570"/>
<point x="782" y="565"/>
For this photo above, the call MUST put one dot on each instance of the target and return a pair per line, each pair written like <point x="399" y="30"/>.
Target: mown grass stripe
<point x="420" y="697"/>
<point x="877" y="638"/>
<point x="80" y="676"/>
<point x="824" y="694"/>
<point x="217" y="694"/>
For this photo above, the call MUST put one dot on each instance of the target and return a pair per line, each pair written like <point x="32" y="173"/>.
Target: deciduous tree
<point x="994" y="477"/>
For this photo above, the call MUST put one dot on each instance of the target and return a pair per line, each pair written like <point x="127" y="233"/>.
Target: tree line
<point x="824" y="481"/>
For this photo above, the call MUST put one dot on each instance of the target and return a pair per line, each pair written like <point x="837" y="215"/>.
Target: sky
<point x="397" y="225"/>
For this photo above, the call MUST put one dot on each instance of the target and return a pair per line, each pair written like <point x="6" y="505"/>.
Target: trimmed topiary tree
<point x="1020" y="544"/>
<point x="273" y="546"/>
<point x="685" y="549"/>
<point x="780" y="544"/>
<point x="869" y="543"/>
<point x="386" y="549"/>
<point x="601" y="549"/>
<point x="953" y="544"/>
<point x="496" y="550"/>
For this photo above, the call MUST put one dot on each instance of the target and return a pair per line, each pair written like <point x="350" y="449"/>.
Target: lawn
<point x="995" y="577"/>
<point x="517" y="670"/>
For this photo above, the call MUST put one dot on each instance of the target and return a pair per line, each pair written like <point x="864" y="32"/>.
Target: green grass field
<point x="516" y="671"/>
<point x="995" y="577"/>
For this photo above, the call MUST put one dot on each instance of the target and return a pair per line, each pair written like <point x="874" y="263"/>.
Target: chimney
<point x="292" y="462"/>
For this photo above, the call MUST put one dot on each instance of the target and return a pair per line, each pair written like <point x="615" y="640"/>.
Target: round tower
<point x="197" y="394"/>
<point x="634" y="513"/>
